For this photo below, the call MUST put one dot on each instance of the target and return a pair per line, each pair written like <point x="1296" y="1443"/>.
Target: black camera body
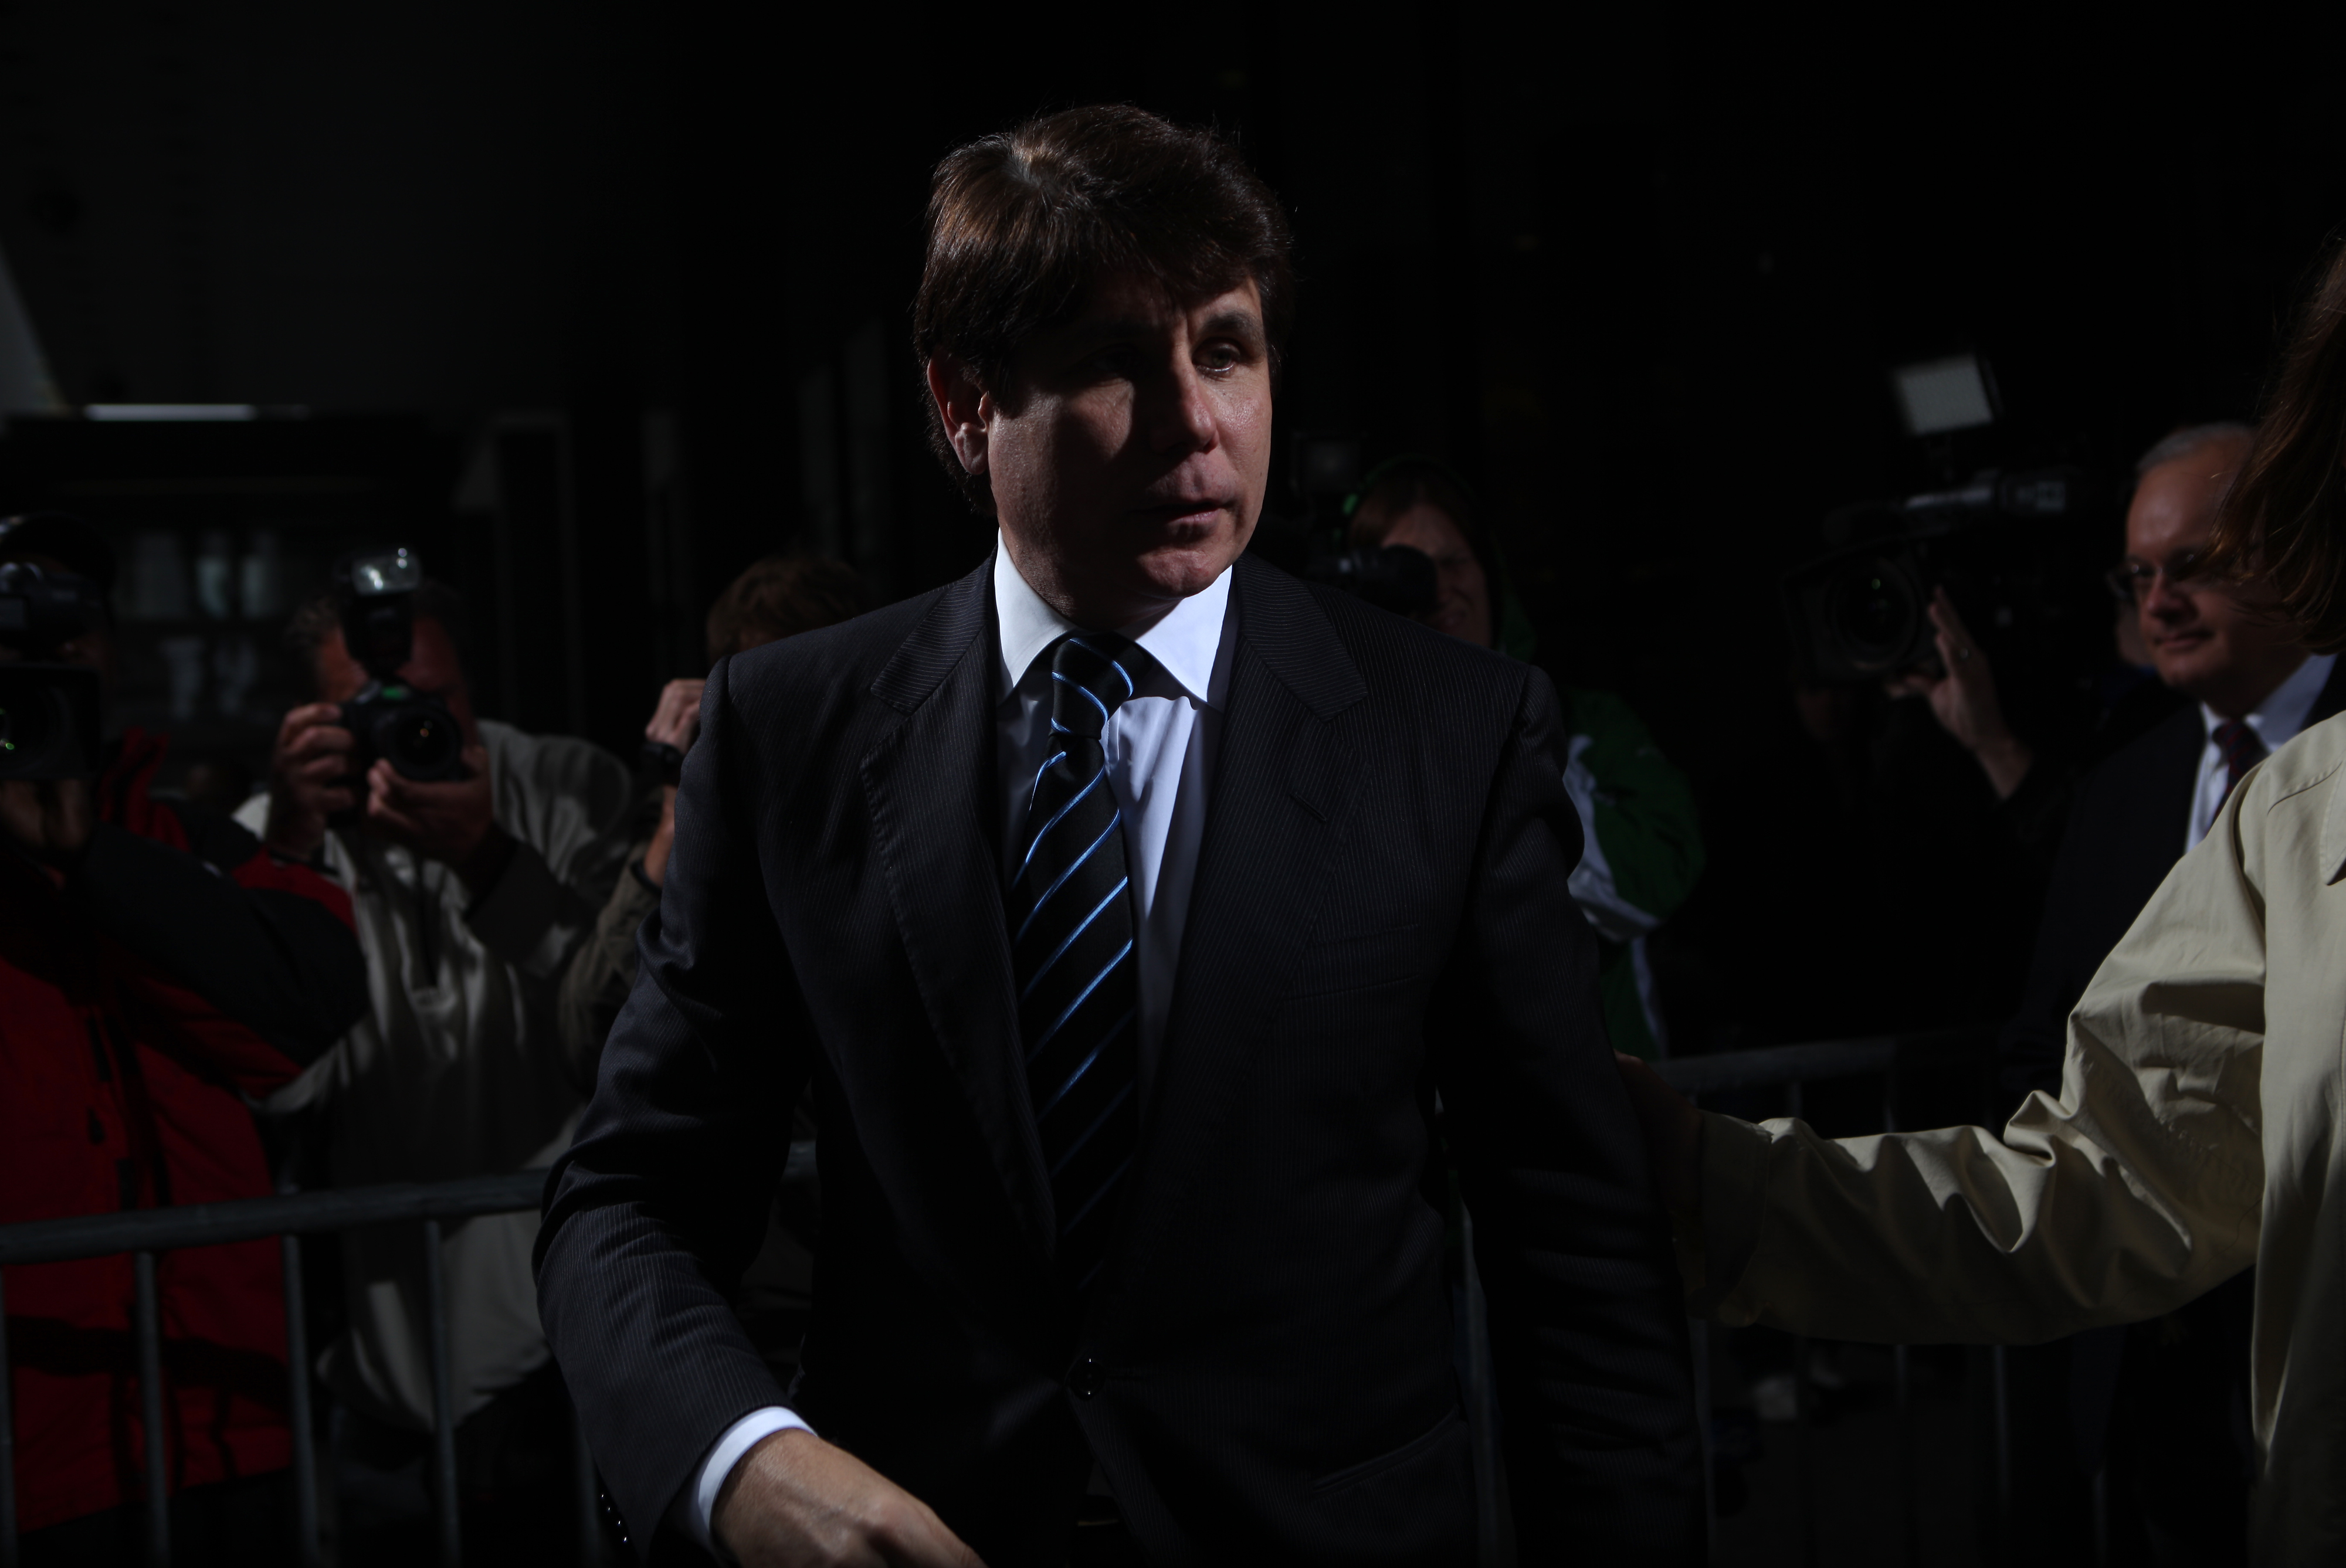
<point x="389" y="720"/>
<point x="1394" y="577"/>
<point x="1999" y="547"/>
<point x="50" y="714"/>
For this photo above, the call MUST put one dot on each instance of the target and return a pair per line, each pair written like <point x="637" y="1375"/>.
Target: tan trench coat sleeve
<point x="2139" y="1189"/>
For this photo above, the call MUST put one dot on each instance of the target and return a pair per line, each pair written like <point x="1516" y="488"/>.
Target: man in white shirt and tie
<point x="1125" y="906"/>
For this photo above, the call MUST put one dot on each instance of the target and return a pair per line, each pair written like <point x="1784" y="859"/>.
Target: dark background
<point x="598" y="304"/>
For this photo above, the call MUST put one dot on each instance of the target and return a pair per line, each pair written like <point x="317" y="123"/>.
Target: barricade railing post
<point x="1698" y="1332"/>
<point x="1805" y="1477"/>
<point x="1910" y="1519"/>
<point x="582" y="1469"/>
<point x="2002" y="1399"/>
<point x="8" y="1558"/>
<point x="1804" y="1473"/>
<point x="1482" y="1435"/>
<point x="150" y="1328"/>
<point x="444" y="1402"/>
<point x="296" y="1404"/>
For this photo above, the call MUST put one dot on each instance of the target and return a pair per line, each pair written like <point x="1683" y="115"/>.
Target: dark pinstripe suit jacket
<point x="1380" y="914"/>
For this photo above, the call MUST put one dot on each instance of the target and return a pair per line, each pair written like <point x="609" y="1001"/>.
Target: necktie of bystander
<point x="1069" y="905"/>
<point x="2241" y="749"/>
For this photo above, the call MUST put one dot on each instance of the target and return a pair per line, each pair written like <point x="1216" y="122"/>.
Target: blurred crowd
<point x="358" y="977"/>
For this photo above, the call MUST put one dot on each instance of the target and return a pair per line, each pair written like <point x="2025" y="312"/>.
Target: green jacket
<point x="1644" y="852"/>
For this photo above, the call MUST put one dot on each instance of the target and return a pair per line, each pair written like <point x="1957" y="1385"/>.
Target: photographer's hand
<point x="454" y="823"/>
<point x="312" y="756"/>
<point x="1965" y="702"/>
<point x="48" y="818"/>
<point x="796" y="1502"/>
<point x="675" y="722"/>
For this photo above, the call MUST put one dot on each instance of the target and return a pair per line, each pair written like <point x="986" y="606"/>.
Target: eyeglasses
<point x="2131" y="582"/>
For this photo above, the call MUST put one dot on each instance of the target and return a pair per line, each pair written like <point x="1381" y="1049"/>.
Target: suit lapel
<point x="1281" y="789"/>
<point x="930" y="784"/>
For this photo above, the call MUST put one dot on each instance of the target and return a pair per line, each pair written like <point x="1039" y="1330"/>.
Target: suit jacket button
<point x="1088" y="1377"/>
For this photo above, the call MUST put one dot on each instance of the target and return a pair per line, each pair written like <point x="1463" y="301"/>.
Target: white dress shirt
<point x="2276" y="721"/>
<point x="1161" y="745"/>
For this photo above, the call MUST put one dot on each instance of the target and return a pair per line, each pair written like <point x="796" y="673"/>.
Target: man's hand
<point x="796" y="1502"/>
<point x="48" y="818"/>
<point x="1963" y="700"/>
<point x="675" y="722"/>
<point x="454" y="823"/>
<point x="310" y="759"/>
<point x="1673" y="1134"/>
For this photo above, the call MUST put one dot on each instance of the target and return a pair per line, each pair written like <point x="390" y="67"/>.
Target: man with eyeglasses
<point x="2253" y="687"/>
<point x="2158" y="1403"/>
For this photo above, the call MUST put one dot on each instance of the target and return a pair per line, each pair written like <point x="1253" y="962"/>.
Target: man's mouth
<point x="1185" y="512"/>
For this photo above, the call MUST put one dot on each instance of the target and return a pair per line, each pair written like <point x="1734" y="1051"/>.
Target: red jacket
<point x="178" y="969"/>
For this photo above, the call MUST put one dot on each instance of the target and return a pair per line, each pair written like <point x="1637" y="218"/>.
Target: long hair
<point x="2284" y="519"/>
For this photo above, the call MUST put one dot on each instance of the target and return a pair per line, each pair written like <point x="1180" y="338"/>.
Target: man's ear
<point x="962" y="407"/>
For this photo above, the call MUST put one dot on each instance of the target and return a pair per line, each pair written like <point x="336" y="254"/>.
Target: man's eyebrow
<point x="1223" y="323"/>
<point x="1084" y="333"/>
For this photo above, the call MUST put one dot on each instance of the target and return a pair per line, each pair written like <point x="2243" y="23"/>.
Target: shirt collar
<point x="1183" y="640"/>
<point x="2279" y="717"/>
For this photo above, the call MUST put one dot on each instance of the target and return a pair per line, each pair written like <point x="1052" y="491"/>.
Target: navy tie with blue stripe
<point x="1071" y="921"/>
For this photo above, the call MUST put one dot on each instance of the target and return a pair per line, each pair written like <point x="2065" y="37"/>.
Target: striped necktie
<point x="1069" y="905"/>
<point x="2240" y="749"/>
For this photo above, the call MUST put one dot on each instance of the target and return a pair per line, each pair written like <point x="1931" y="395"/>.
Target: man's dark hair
<point x="322" y="618"/>
<point x="779" y="597"/>
<point x="1023" y="223"/>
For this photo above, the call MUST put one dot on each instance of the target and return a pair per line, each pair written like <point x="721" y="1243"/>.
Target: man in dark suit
<point x="2154" y="1403"/>
<point x="2251" y="688"/>
<point x="1126" y="907"/>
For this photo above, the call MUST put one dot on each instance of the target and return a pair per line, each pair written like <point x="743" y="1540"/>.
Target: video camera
<point x="49" y="712"/>
<point x="1999" y="545"/>
<point x="374" y="593"/>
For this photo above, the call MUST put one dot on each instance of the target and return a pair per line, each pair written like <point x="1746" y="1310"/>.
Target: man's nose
<point x="1180" y="414"/>
<point x="2167" y="601"/>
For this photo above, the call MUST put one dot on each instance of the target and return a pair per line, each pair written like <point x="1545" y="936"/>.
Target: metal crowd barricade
<point x="1790" y="1067"/>
<point x="143" y="1233"/>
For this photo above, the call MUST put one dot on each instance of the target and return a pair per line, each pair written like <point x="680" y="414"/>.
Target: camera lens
<point x="1875" y="612"/>
<point x="420" y="743"/>
<point x="26" y="727"/>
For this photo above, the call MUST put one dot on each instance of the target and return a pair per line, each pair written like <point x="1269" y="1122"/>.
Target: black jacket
<point x="1379" y="913"/>
<point x="2125" y="833"/>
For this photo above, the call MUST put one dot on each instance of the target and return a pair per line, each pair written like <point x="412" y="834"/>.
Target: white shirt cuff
<point x="697" y="1503"/>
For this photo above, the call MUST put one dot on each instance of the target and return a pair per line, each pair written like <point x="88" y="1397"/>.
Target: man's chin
<point x="2189" y="671"/>
<point x="1179" y="568"/>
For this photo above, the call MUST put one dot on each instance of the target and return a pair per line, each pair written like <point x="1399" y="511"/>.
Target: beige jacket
<point x="2196" y="1134"/>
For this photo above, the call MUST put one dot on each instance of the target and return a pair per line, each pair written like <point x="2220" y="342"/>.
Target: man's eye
<point x="1220" y="357"/>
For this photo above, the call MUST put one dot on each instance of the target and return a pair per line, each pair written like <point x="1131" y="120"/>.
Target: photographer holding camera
<point x="158" y="969"/>
<point x="475" y="856"/>
<point x="777" y="597"/>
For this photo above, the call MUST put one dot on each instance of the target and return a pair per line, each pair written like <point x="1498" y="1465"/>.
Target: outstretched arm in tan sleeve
<point x="2136" y="1191"/>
